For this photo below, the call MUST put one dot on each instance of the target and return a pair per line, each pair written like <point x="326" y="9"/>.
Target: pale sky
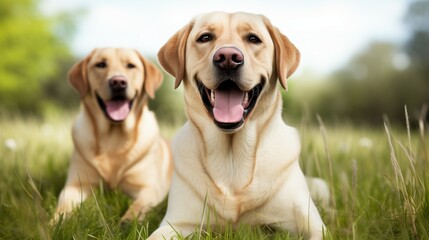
<point x="327" y="32"/>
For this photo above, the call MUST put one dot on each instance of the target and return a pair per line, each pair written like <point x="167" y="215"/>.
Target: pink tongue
<point x="227" y="106"/>
<point x="118" y="110"/>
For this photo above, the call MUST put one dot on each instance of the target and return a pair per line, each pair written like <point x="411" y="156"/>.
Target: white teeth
<point x="246" y="98"/>
<point x="212" y="95"/>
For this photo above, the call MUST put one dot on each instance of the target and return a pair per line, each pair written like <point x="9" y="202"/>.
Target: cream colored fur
<point x="130" y="154"/>
<point x="249" y="175"/>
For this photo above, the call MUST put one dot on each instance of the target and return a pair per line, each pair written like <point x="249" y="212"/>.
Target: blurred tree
<point x="382" y="78"/>
<point x="376" y="82"/>
<point x="31" y="53"/>
<point x="359" y="90"/>
<point x="417" y="47"/>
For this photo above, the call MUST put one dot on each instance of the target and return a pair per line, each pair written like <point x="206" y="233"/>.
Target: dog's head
<point x="115" y="78"/>
<point x="230" y="61"/>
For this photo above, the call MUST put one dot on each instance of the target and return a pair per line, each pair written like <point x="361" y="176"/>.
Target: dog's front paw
<point x="137" y="213"/>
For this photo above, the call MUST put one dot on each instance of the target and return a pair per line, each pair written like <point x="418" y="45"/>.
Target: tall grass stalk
<point x="328" y="156"/>
<point x="411" y="190"/>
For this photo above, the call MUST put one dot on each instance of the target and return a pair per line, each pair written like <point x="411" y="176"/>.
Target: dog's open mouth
<point x="228" y="104"/>
<point x="117" y="108"/>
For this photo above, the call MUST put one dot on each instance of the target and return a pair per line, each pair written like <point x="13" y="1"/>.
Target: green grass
<point x="378" y="179"/>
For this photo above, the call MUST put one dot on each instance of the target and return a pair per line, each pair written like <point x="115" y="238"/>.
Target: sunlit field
<point x="378" y="179"/>
<point x="360" y="65"/>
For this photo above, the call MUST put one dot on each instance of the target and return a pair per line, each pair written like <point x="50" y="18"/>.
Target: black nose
<point x="118" y="83"/>
<point x="228" y="58"/>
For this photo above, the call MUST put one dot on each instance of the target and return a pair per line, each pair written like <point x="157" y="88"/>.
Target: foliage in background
<point x="33" y="57"/>
<point x="376" y="82"/>
<point x="417" y="46"/>
<point x="373" y="85"/>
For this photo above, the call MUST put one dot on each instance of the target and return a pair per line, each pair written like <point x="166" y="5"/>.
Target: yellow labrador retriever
<point x="116" y="137"/>
<point x="235" y="160"/>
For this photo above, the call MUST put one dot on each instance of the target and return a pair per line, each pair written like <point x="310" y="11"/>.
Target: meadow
<point x="378" y="179"/>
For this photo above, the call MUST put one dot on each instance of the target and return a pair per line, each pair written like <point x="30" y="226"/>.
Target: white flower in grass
<point x="10" y="144"/>
<point x="366" y="142"/>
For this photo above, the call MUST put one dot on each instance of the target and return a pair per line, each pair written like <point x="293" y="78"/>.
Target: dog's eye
<point x="101" y="64"/>
<point x="130" y="65"/>
<point x="253" y="38"/>
<point x="206" y="37"/>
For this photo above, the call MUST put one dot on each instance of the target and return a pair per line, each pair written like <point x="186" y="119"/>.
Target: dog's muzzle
<point x="228" y="104"/>
<point x="118" y="107"/>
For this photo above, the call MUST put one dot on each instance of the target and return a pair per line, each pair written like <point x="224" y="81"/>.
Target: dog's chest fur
<point x="233" y="183"/>
<point x="231" y="169"/>
<point x="114" y="158"/>
<point x="238" y="173"/>
<point x="114" y="151"/>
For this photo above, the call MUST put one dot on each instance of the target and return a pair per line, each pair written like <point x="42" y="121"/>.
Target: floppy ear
<point x="286" y="54"/>
<point x="77" y="75"/>
<point x="172" y="55"/>
<point x="152" y="76"/>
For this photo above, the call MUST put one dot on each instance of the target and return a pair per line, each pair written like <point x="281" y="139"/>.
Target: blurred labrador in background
<point x="116" y="137"/>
